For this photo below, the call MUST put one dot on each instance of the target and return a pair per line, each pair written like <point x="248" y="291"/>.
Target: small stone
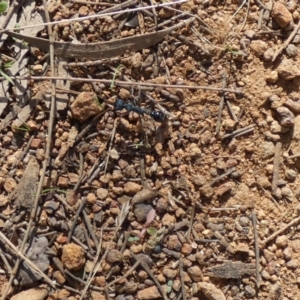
<point x="131" y="187"/>
<point x="161" y="205"/>
<point x="269" y="256"/>
<point x="286" y="117"/>
<point x="223" y="189"/>
<point x="228" y="124"/>
<point x="258" y="47"/>
<point x="268" y="54"/>
<point x="287" y="253"/>
<point x="207" y="191"/>
<point x="3" y="200"/>
<point x="85" y="106"/>
<point x="102" y="193"/>
<point x="249" y="34"/>
<point x="186" y="249"/>
<point x="288" y="70"/>
<point x="31" y="294"/>
<point x="292" y="264"/>
<point x="113" y="256"/>
<point x="265" y="275"/>
<point x="173" y="243"/>
<point x="287" y="193"/>
<point x="36" y="143"/>
<point x="199" y="180"/>
<point x="268" y="150"/>
<point x="63" y="294"/>
<point x="195" y="273"/>
<point x="291" y="50"/>
<point x="63" y="182"/>
<point x="281" y="14"/>
<point x="277" y="128"/>
<point x="291" y="174"/>
<point x="91" y="198"/>
<point x="281" y="241"/>
<point x="168" y="219"/>
<point x="272" y="76"/>
<point x="58" y="276"/>
<point x="242" y="247"/>
<point x="99" y="281"/>
<point x="149" y="293"/>
<point x="130" y="287"/>
<point x="73" y="257"/>
<point x="9" y="185"/>
<point x="263" y="182"/>
<point x="141" y="211"/>
<point x="169" y="273"/>
<point x="124" y="94"/>
<point x="40" y="154"/>
<point x="136" y="60"/>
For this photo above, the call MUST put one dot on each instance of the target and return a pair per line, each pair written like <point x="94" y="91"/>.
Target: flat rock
<point x="31" y="294"/>
<point x="149" y="293"/>
<point x="288" y="70"/>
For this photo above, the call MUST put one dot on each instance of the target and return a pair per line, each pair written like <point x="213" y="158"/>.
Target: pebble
<point x="263" y="182"/>
<point x="149" y="293"/>
<point x="291" y="50"/>
<point x="288" y="70"/>
<point x="195" y="273"/>
<point x="268" y="150"/>
<point x="73" y="257"/>
<point x="210" y="291"/>
<point x="265" y="275"/>
<point x="281" y="14"/>
<point x="287" y="192"/>
<point x="292" y="264"/>
<point x="85" y="106"/>
<point x="249" y="291"/>
<point x="291" y="174"/>
<point x="173" y="243"/>
<point x="258" y="47"/>
<point x="186" y="249"/>
<point x="207" y="191"/>
<point x="51" y="206"/>
<point x="113" y="256"/>
<point x="168" y="219"/>
<point x="228" y="124"/>
<point x="249" y="34"/>
<point x="131" y="187"/>
<point x="272" y="76"/>
<point x="141" y="211"/>
<point x="277" y="128"/>
<point x="286" y="117"/>
<point x="268" y="54"/>
<point x="9" y="185"/>
<point x="91" y="198"/>
<point x="31" y="294"/>
<point x="169" y="273"/>
<point x="281" y="241"/>
<point x="199" y="180"/>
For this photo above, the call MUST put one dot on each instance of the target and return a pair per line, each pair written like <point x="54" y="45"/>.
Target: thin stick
<point x="222" y="176"/>
<point x="276" y="164"/>
<point x="262" y="5"/>
<point x="93" y="3"/>
<point x="287" y="42"/>
<point x="127" y="83"/>
<point x="254" y="222"/>
<point x="275" y="234"/>
<point x="244" y="132"/>
<point x="221" y="105"/>
<point x="238" y="131"/>
<point x="80" y="173"/>
<point x="272" y="198"/>
<point x="234" y="117"/>
<point x="191" y="224"/>
<point x="182" y="280"/>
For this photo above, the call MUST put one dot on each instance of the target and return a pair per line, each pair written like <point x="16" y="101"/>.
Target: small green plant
<point x="3" y="7"/>
<point x="133" y="239"/>
<point x="5" y="67"/>
<point x="23" y="128"/>
<point x="112" y="85"/>
<point x="151" y="230"/>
